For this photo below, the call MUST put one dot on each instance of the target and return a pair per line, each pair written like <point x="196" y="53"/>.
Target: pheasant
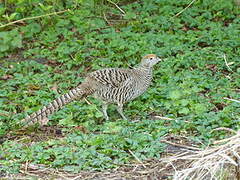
<point x="111" y="85"/>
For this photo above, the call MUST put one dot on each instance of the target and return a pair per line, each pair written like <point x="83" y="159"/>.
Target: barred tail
<point x="55" y="105"/>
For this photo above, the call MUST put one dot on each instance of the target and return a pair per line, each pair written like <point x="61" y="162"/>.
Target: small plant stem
<point x="137" y="158"/>
<point x="225" y="59"/>
<point x="184" y="8"/>
<point x="122" y="11"/>
<point x="35" y="17"/>
<point x="234" y="100"/>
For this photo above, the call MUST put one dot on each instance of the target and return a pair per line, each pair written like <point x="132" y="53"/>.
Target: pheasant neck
<point x="146" y="69"/>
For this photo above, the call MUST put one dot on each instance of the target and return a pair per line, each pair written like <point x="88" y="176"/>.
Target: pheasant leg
<point x="104" y="110"/>
<point x="120" y="111"/>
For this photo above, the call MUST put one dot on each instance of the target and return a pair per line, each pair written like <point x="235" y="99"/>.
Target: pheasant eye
<point x="151" y="58"/>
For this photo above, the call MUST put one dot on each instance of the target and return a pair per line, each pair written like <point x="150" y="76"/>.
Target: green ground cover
<point x="44" y="57"/>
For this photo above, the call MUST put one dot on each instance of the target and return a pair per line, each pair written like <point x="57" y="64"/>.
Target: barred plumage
<point x="112" y="85"/>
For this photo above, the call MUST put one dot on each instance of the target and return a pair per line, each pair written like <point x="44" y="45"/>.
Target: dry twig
<point x="234" y="100"/>
<point x="224" y="129"/>
<point x="184" y="8"/>
<point x="89" y="103"/>
<point x="163" y="118"/>
<point x="122" y="11"/>
<point x="35" y="17"/>
<point x="209" y="163"/>
<point x="226" y="63"/>
<point x="181" y="146"/>
<point x="105" y="18"/>
<point x="137" y="158"/>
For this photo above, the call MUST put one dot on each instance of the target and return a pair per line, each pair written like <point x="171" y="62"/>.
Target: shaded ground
<point x="150" y="169"/>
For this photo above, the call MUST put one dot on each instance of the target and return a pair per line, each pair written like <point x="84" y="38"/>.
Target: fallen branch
<point x="180" y="145"/>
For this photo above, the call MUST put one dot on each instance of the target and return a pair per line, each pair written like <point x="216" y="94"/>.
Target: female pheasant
<point x="111" y="85"/>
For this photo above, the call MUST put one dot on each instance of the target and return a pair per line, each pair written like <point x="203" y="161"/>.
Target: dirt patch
<point x="151" y="169"/>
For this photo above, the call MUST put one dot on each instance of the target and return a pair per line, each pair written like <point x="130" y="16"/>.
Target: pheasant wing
<point x="111" y="77"/>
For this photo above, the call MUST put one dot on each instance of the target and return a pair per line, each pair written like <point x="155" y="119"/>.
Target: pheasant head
<point x="149" y="60"/>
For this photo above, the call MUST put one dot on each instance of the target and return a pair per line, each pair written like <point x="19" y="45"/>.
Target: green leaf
<point x="67" y="121"/>
<point x="176" y="94"/>
<point x="3" y="48"/>
<point x="184" y="111"/>
<point x="200" y="108"/>
<point x="184" y="102"/>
